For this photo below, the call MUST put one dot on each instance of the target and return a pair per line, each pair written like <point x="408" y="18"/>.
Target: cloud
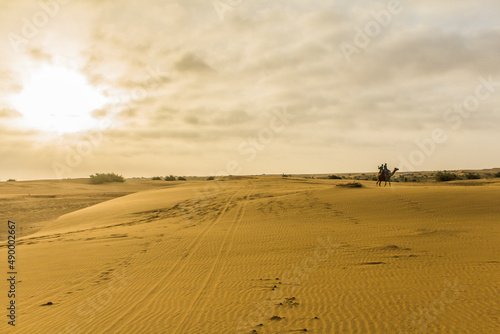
<point x="9" y="113"/>
<point x="39" y="55"/>
<point x="186" y="79"/>
<point x="9" y="84"/>
<point x="192" y="63"/>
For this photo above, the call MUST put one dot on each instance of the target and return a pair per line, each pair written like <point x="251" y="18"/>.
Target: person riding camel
<point x="386" y="170"/>
<point x="381" y="168"/>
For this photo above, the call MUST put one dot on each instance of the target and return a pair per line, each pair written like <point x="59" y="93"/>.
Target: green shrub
<point x="350" y="185"/>
<point x="335" y="177"/>
<point x="156" y="178"/>
<point x="446" y="176"/>
<point x="210" y="178"/>
<point x="99" y="178"/>
<point x="170" y="178"/>
<point x="11" y="180"/>
<point x="180" y="178"/>
<point x="405" y="178"/>
<point x="286" y="175"/>
<point x="472" y="176"/>
<point x="496" y="174"/>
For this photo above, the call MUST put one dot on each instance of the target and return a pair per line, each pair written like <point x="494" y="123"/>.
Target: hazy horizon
<point x="247" y="87"/>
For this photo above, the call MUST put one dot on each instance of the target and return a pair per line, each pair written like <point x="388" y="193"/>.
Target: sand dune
<point x="39" y="202"/>
<point x="268" y="255"/>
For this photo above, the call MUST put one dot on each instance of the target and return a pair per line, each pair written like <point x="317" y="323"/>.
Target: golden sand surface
<point x="260" y="254"/>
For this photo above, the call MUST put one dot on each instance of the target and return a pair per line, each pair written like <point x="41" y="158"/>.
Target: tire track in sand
<point x="128" y="317"/>
<point x="210" y="283"/>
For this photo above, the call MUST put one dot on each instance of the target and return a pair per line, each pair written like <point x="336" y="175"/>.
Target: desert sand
<point x="255" y="255"/>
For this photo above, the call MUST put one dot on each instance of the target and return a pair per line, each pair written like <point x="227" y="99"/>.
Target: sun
<point x="58" y="99"/>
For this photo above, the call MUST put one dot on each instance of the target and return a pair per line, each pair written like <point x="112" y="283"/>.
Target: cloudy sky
<point x="199" y="87"/>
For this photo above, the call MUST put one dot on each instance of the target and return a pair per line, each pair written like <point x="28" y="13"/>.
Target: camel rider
<point x="386" y="170"/>
<point x="380" y="168"/>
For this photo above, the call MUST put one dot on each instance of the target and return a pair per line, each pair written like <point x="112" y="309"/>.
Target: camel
<point x="386" y="177"/>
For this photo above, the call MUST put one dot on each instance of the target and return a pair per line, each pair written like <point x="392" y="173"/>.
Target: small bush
<point x="156" y="178"/>
<point x="472" y="176"/>
<point x="334" y="177"/>
<point x="170" y="178"/>
<point x="496" y="174"/>
<point x="407" y="179"/>
<point x="11" y="180"/>
<point x="210" y="178"/>
<point x="180" y="178"/>
<point x="446" y="176"/>
<point x="286" y="175"/>
<point x="350" y="185"/>
<point x="99" y="178"/>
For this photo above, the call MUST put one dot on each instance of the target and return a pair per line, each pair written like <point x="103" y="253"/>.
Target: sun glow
<point x="58" y="99"/>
